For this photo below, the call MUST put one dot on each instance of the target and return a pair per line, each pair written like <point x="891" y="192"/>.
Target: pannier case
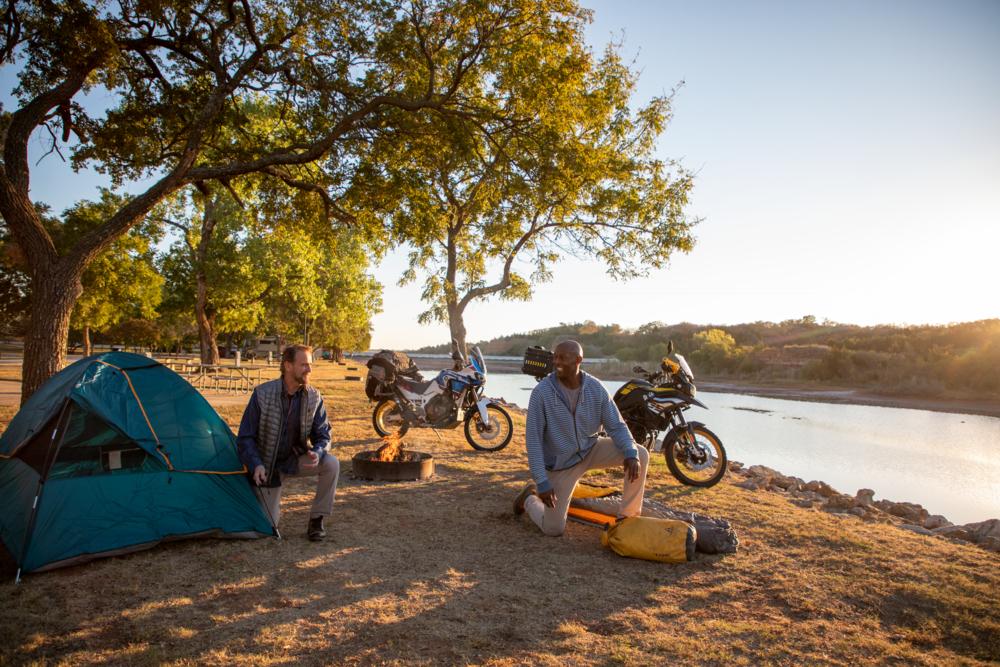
<point x="537" y="362"/>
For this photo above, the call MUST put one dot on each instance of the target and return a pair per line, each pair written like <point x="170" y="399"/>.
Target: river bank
<point x="790" y="391"/>
<point x="849" y="396"/>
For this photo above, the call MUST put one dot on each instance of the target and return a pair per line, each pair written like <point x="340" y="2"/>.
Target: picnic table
<point x="216" y="377"/>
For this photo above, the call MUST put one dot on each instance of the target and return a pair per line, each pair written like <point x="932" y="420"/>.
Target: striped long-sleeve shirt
<point x="557" y="439"/>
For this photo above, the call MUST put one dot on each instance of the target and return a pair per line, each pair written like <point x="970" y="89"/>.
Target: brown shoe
<point x="528" y="490"/>
<point x="315" y="532"/>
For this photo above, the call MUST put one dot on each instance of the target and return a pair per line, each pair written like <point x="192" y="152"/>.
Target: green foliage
<point x="269" y="265"/>
<point x="15" y="286"/>
<point x="562" y="164"/>
<point x="122" y="282"/>
<point x="184" y="85"/>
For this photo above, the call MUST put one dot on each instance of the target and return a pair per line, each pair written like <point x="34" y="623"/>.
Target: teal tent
<point x="117" y="453"/>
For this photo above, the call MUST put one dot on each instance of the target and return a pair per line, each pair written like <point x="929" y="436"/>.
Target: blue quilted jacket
<point x="555" y="440"/>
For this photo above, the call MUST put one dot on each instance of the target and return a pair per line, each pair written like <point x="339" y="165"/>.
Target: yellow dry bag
<point x="649" y="538"/>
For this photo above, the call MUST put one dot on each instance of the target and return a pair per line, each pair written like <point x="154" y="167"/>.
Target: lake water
<point x="949" y="463"/>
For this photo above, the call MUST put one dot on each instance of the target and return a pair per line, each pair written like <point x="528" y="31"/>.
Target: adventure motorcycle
<point x="454" y="397"/>
<point x="656" y="403"/>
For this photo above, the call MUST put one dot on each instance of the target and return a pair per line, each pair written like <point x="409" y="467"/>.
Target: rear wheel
<point x="387" y="418"/>
<point x="493" y="435"/>
<point x="698" y="461"/>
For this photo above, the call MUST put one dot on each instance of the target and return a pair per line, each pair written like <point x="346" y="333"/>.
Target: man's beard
<point x="302" y="380"/>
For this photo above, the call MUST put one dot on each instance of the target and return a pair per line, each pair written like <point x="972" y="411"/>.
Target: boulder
<point x="735" y="466"/>
<point x="920" y="530"/>
<point x="954" y="532"/>
<point x="784" y="483"/>
<point x="983" y="529"/>
<point x="750" y="484"/>
<point x="822" y="488"/>
<point x="991" y="544"/>
<point x="936" y="521"/>
<point x="803" y="502"/>
<point x="763" y="472"/>
<point x="860" y="512"/>
<point x="865" y="497"/>
<point x="839" y="502"/>
<point x="912" y="512"/>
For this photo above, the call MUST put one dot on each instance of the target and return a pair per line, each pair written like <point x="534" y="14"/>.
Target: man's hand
<point x="313" y="461"/>
<point x="259" y="475"/>
<point x="631" y="467"/>
<point x="548" y="498"/>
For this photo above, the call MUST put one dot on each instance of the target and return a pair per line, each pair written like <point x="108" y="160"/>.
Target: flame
<point x="391" y="449"/>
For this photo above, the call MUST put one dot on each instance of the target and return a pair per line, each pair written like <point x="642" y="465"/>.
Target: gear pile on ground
<point x="715" y="535"/>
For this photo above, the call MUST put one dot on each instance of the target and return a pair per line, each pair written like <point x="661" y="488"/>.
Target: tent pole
<point x="17" y="579"/>
<point x="59" y="431"/>
<point x="260" y="494"/>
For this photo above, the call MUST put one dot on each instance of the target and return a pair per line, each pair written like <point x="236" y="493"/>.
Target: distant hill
<point x="956" y="360"/>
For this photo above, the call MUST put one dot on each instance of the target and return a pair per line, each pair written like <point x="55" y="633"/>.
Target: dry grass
<point x="441" y="572"/>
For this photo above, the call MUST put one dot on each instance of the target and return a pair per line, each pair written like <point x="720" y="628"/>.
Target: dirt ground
<point x="441" y="572"/>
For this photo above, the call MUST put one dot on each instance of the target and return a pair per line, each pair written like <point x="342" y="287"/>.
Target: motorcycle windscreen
<point x="684" y="365"/>
<point x="478" y="362"/>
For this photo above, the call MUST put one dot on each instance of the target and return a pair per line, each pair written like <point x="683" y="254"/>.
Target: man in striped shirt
<point x="567" y="410"/>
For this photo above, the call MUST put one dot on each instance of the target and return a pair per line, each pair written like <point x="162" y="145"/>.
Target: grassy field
<point x="441" y="572"/>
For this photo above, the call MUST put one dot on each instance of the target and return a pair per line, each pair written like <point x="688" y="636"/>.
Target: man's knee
<point x="330" y="464"/>
<point x="643" y="455"/>
<point x="554" y="531"/>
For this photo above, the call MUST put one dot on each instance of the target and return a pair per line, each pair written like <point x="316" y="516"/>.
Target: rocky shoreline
<point x="906" y="516"/>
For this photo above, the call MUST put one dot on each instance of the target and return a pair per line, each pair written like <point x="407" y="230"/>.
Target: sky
<point x="848" y="167"/>
<point x="847" y="160"/>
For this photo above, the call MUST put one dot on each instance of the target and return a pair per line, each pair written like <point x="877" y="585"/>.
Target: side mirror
<point x="670" y="347"/>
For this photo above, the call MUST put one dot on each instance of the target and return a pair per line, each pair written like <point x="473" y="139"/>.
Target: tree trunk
<point x="206" y="324"/>
<point x="87" y="349"/>
<point x="53" y="295"/>
<point x="456" y="324"/>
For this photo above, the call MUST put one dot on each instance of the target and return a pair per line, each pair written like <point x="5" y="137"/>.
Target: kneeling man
<point x="285" y="431"/>
<point x="565" y="414"/>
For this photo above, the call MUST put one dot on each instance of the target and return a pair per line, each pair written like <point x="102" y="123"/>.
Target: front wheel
<point x="493" y="435"/>
<point x="387" y="418"/>
<point x="700" y="461"/>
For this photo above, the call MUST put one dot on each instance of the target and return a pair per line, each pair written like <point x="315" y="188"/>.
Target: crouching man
<point x="566" y="412"/>
<point x="285" y="432"/>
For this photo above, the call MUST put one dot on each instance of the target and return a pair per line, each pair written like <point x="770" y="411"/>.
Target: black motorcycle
<point x="655" y="403"/>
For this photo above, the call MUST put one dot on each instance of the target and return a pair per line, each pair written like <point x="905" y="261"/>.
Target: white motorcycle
<point x="406" y="400"/>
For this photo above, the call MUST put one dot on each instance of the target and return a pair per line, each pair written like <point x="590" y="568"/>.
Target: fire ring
<point x="415" y="465"/>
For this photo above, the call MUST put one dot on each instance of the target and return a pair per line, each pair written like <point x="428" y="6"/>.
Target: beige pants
<point x="604" y="454"/>
<point x="328" y="471"/>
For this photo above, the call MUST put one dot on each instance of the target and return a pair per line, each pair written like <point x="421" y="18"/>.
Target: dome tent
<point x="116" y="453"/>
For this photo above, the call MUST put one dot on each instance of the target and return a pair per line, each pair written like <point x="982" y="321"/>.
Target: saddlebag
<point x="537" y="362"/>
<point x="383" y="368"/>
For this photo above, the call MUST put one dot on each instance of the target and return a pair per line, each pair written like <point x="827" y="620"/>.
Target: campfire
<point x="392" y="451"/>
<point x="391" y="462"/>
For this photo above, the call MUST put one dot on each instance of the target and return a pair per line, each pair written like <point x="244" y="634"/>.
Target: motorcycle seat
<point x="419" y="388"/>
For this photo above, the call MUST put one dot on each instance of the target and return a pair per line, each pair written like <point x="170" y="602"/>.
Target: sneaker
<point x="528" y="490"/>
<point x="315" y="532"/>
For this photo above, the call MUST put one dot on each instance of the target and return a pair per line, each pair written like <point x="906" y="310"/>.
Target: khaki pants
<point x="604" y="454"/>
<point x="328" y="471"/>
